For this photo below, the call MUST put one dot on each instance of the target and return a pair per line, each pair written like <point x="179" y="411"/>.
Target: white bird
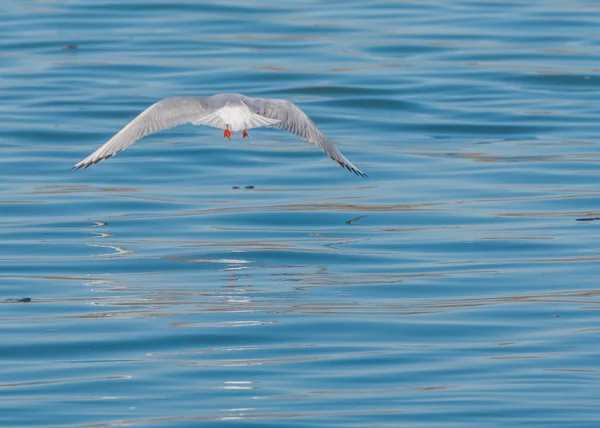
<point x="231" y="112"/>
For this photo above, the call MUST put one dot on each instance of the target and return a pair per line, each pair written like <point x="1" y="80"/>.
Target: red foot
<point x="245" y="134"/>
<point x="227" y="134"/>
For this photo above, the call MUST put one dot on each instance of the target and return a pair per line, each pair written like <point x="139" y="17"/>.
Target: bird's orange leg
<point x="227" y="133"/>
<point x="245" y="134"/>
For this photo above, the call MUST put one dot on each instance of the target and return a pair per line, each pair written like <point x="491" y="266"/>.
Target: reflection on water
<point x="193" y="280"/>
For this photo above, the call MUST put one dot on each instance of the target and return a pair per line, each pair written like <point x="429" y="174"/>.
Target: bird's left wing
<point x="162" y="115"/>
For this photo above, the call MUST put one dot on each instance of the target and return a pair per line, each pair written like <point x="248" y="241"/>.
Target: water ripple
<point x="194" y="280"/>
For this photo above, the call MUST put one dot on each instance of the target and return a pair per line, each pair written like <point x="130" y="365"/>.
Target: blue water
<point x="455" y="287"/>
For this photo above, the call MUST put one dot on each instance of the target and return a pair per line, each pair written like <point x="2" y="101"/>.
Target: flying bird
<point x="230" y="112"/>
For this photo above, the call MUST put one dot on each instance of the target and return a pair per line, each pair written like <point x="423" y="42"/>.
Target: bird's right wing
<point x="162" y="115"/>
<point x="294" y="120"/>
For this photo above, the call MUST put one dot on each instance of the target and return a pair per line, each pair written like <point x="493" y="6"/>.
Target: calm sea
<point x="456" y="287"/>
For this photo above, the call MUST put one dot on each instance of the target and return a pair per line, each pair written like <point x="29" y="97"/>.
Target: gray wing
<point x="294" y="120"/>
<point x="162" y="115"/>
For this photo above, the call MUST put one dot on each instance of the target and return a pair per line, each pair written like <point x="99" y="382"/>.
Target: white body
<point x="235" y="117"/>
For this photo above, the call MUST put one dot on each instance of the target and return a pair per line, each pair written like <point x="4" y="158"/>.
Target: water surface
<point x="453" y="288"/>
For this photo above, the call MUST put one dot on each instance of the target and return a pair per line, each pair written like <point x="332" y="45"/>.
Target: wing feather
<point x="293" y="119"/>
<point x="162" y="115"/>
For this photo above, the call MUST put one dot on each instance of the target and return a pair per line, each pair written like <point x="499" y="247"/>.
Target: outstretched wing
<point x="162" y="115"/>
<point x="294" y="120"/>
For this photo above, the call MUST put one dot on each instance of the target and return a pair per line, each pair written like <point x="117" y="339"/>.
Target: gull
<point x="230" y="112"/>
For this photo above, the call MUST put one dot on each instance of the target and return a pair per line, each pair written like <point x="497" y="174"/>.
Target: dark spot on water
<point x="19" y="299"/>
<point x="587" y="219"/>
<point x="249" y="187"/>
<point x="69" y="47"/>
